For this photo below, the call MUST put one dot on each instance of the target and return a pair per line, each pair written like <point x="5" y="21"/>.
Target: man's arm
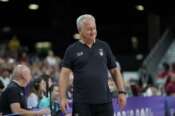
<point x="16" y="108"/>
<point x="118" y="80"/>
<point x="63" y="85"/>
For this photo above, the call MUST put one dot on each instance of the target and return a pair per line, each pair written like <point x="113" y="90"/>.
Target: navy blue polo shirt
<point x="90" y="69"/>
<point x="12" y="94"/>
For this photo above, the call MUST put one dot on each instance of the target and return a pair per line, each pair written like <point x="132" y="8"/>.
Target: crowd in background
<point x="162" y="84"/>
<point x="43" y="90"/>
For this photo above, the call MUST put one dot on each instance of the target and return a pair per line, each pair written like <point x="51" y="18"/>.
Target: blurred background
<point x="139" y="32"/>
<point x="130" y="27"/>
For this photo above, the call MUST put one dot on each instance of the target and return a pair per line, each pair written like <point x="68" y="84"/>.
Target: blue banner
<point x="142" y="106"/>
<point x="170" y="106"/>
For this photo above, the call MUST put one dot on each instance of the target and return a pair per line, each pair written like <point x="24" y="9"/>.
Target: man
<point x="89" y="59"/>
<point x="13" y="99"/>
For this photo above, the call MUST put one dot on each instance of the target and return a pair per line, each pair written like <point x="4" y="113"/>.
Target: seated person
<point x="12" y="100"/>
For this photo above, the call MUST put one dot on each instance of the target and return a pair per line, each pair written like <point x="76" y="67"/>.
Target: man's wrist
<point x="122" y="92"/>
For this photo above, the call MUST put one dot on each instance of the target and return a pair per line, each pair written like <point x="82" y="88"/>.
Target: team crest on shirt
<point x="101" y="53"/>
<point x="79" y="53"/>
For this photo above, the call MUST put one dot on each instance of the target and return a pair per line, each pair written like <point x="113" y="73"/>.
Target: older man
<point x="90" y="59"/>
<point x="13" y="98"/>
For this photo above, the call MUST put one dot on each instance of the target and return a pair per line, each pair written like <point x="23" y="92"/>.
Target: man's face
<point x="88" y="29"/>
<point x="26" y="77"/>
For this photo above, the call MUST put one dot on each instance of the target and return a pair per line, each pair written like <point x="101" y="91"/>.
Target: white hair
<point x="18" y="70"/>
<point x="82" y="18"/>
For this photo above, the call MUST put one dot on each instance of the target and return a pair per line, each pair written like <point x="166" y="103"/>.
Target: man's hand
<point x="122" y="101"/>
<point x="64" y="104"/>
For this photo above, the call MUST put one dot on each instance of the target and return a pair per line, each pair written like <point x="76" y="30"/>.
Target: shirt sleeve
<point x="67" y="60"/>
<point x="111" y="62"/>
<point x="14" y="95"/>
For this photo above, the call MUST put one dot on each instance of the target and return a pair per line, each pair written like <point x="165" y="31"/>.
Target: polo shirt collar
<point x="81" y="41"/>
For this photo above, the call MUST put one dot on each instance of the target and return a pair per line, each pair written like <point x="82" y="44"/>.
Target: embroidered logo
<point x="101" y="53"/>
<point x="79" y="53"/>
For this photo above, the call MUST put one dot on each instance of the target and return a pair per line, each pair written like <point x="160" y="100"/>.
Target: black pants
<point x="83" y="109"/>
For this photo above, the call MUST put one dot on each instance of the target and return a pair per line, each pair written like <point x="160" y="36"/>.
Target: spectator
<point x="55" y="101"/>
<point x="1" y="87"/>
<point x="145" y="79"/>
<point x="13" y="99"/>
<point x="170" y="87"/>
<point x="165" y="72"/>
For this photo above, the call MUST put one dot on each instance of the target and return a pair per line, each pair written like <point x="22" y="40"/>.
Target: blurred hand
<point x="45" y="112"/>
<point x="122" y="101"/>
<point x="64" y="104"/>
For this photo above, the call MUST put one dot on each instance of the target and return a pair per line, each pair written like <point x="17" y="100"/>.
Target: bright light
<point x="4" y="0"/>
<point x="33" y="6"/>
<point x="6" y="29"/>
<point x="139" y="56"/>
<point x="140" y="7"/>
<point x="43" y="44"/>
